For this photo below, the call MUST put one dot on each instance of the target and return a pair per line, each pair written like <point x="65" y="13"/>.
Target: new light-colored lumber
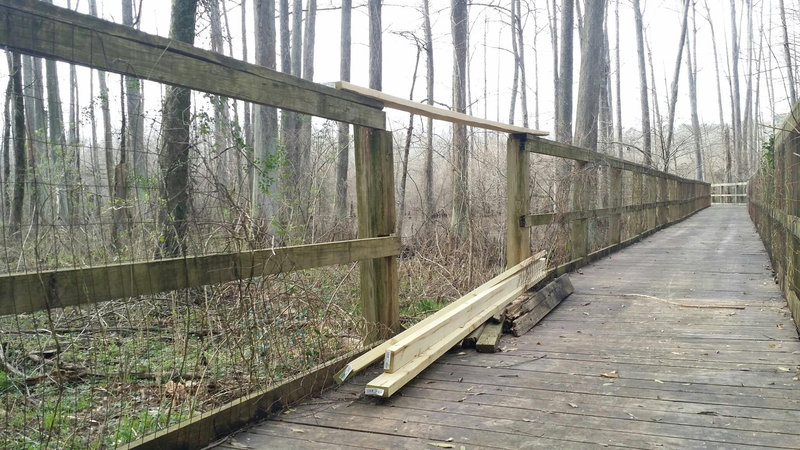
<point x="378" y="352"/>
<point x="390" y="101"/>
<point x="387" y="384"/>
<point x="40" y="29"/>
<point x="430" y="333"/>
<point x="29" y="292"/>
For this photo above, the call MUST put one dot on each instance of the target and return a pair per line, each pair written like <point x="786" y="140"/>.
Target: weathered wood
<point x="379" y="351"/>
<point x="29" y="292"/>
<point x="472" y="338"/>
<point x="560" y="287"/>
<point x="533" y="311"/>
<point x="205" y="428"/>
<point x="376" y="218"/>
<point x="532" y="220"/>
<point x="615" y="188"/>
<point x="41" y="29"/>
<point x="518" y="237"/>
<point x="422" y="109"/>
<point x="490" y="338"/>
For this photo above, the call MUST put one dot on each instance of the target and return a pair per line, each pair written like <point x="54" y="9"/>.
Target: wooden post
<point x="663" y="196"/>
<point x="638" y="222"/>
<point x="518" y="235"/>
<point x="615" y="186"/>
<point x="376" y="218"/>
<point x="579" y="236"/>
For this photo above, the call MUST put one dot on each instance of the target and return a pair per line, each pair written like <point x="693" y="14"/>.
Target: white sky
<point x="662" y="22"/>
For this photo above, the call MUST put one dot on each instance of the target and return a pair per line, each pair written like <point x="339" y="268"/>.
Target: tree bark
<point x="265" y="120"/>
<point x="135" y="106"/>
<point x="722" y="125"/>
<point x="691" y="74"/>
<point x="564" y="118"/>
<point x="407" y="148"/>
<point x="589" y="84"/>
<point x="375" y="46"/>
<point x="523" y="88"/>
<point x="735" y="97"/>
<point x="459" y="220"/>
<point x="5" y="174"/>
<point x="787" y="54"/>
<point x="673" y="99"/>
<point x="552" y="22"/>
<point x="222" y="117"/>
<point x="174" y="158"/>
<point x="619" y="83"/>
<point x="429" y="79"/>
<point x="342" y="160"/>
<point x="643" y="92"/>
<point x="20" y="161"/>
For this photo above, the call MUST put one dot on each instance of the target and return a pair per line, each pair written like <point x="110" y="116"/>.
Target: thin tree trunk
<point x="429" y="78"/>
<point x="407" y="148"/>
<point x="589" y="85"/>
<point x="133" y="92"/>
<point x="459" y="220"/>
<point x="59" y="153"/>
<point x="174" y="158"/>
<point x="523" y="81"/>
<point x="342" y="160"/>
<point x="304" y="157"/>
<point x="222" y="118"/>
<point x="735" y="97"/>
<point x="247" y="106"/>
<point x="515" y="52"/>
<point x="647" y="144"/>
<point x="265" y="120"/>
<point x="605" y="117"/>
<point x="722" y="126"/>
<point x="564" y="118"/>
<point x="619" y="83"/>
<point x="20" y="161"/>
<point x="5" y="181"/>
<point x="787" y="54"/>
<point x="375" y="46"/>
<point x="673" y="99"/>
<point x="552" y="22"/>
<point x="691" y="73"/>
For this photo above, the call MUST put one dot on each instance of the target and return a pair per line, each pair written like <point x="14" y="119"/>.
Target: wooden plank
<point x="40" y="29"/>
<point x="472" y="338"/>
<point x="547" y="218"/>
<point x="530" y="313"/>
<point x="386" y="384"/>
<point x="207" y="427"/>
<point x="490" y="338"/>
<point x="376" y="218"/>
<point x="518" y="237"/>
<point x="422" y="109"/>
<point x="431" y="333"/>
<point x="29" y="292"/>
<point x="560" y="287"/>
<point x="379" y="351"/>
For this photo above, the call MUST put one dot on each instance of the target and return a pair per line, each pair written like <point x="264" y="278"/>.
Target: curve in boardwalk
<point x="681" y="340"/>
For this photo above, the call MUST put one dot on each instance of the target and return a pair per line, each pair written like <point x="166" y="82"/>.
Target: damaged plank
<point x="527" y="314"/>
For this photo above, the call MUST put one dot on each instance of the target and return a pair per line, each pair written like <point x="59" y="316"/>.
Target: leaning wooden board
<point x="367" y="359"/>
<point x="495" y="300"/>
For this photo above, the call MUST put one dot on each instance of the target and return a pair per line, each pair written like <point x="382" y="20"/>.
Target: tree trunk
<point x="673" y="99"/>
<point x="619" y="83"/>
<point x="643" y="92"/>
<point x="722" y="126"/>
<point x="787" y="54"/>
<point x="20" y="167"/>
<point x="691" y="73"/>
<point x="304" y="171"/>
<point x="605" y="118"/>
<point x="407" y="148"/>
<point x="735" y="103"/>
<point x="523" y="88"/>
<point x="222" y="117"/>
<point x="375" y="46"/>
<point x="459" y="220"/>
<point x="429" y="76"/>
<point x="515" y="54"/>
<point x="552" y="21"/>
<point x="174" y="158"/>
<point x="135" y="106"/>
<point x="342" y="160"/>
<point x="59" y="153"/>
<point x="247" y="106"/>
<point x="265" y="120"/>
<point x="564" y="118"/>
<point x="589" y="84"/>
<point x="5" y="174"/>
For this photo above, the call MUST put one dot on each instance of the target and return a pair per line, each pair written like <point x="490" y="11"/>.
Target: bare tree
<point x="722" y="125"/>
<point x="673" y="98"/>
<point x="174" y="157"/>
<point x="375" y="46"/>
<point x="787" y="54"/>
<point x="646" y="146"/>
<point x="265" y="120"/>
<point x="429" y="78"/>
<point x="691" y="74"/>
<point x="619" y="83"/>
<point x="133" y="93"/>
<point x="459" y="220"/>
<point x="736" y="123"/>
<point x="564" y="118"/>
<point x="20" y="162"/>
<point x="342" y="163"/>
<point x="589" y="84"/>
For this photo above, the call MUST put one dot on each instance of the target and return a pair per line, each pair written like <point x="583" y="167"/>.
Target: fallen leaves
<point x="612" y="374"/>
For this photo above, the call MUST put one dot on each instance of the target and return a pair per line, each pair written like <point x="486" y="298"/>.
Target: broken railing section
<point x="774" y="207"/>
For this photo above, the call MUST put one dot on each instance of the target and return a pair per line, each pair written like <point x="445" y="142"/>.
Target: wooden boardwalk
<point x="681" y="341"/>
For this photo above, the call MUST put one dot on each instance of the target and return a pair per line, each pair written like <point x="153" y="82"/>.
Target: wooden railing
<point x="653" y="200"/>
<point x="774" y="206"/>
<point x="729" y="193"/>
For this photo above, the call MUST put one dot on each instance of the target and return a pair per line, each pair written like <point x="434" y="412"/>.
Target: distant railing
<point x="774" y="206"/>
<point x="729" y="193"/>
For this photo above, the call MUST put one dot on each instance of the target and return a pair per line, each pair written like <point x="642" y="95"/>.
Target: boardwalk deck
<point x="681" y="340"/>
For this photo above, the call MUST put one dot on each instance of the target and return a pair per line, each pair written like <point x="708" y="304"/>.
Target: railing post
<point x="580" y="227"/>
<point x="376" y="218"/>
<point x="615" y="186"/>
<point x="638" y="223"/>
<point x="518" y="235"/>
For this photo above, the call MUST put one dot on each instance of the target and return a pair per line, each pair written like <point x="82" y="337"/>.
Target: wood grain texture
<point x="37" y="28"/>
<point x="518" y="236"/>
<point x="422" y="109"/>
<point x="23" y="293"/>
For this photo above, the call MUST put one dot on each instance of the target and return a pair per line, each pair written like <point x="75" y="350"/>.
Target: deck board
<point x="688" y="377"/>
